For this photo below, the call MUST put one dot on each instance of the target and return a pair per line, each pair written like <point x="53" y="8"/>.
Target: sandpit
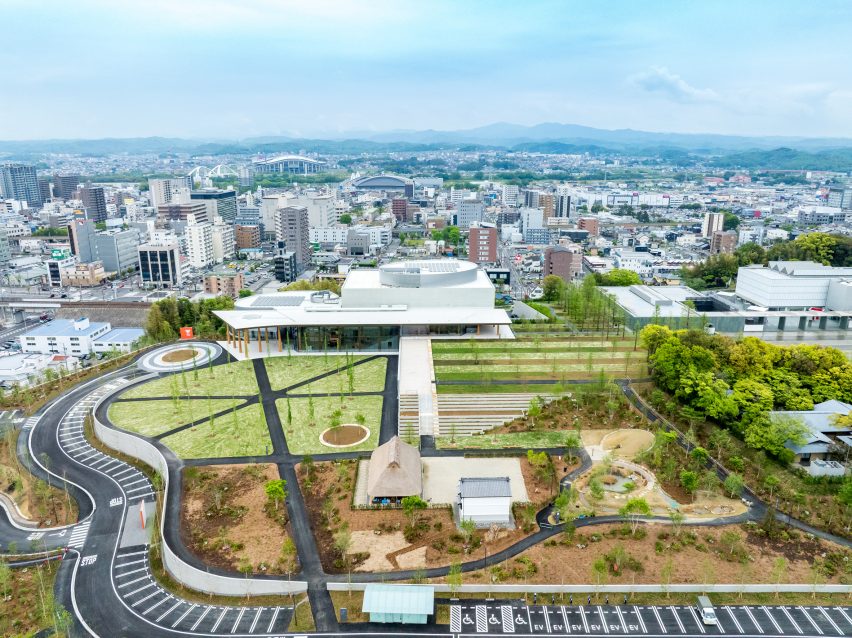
<point x="628" y="444"/>
<point x="345" y="435"/>
<point x="178" y="356"/>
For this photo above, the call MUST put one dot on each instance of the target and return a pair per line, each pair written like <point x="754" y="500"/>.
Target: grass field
<point x="286" y="371"/>
<point x="243" y="433"/>
<point x="151" y="418"/>
<point x="303" y="438"/>
<point x="229" y="379"/>
<point x="368" y="377"/>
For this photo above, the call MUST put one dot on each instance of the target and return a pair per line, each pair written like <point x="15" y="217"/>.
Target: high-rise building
<point x="64" y="186"/>
<point x="94" y="200"/>
<point x="547" y="203"/>
<point x="284" y="261"/>
<point x="247" y="236"/>
<point x="219" y="202"/>
<point x="44" y="189"/>
<point x="563" y="261"/>
<point x="291" y="227"/>
<point x="223" y="239"/>
<point x="563" y="205"/>
<point x="19" y="181"/>
<point x="712" y="222"/>
<point x="117" y="249"/>
<point x="81" y="234"/>
<point x="168" y="191"/>
<point x="5" y="250"/>
<point x="224" y="283"/>
<point x="723" y="242"/>
<point x="159" y="265"/>
<point x="399" y="208"/>
<point x="199" y="244"/>
<point x="469" y="210"/>
<point x="182" y="212"/>
<point x="510" y="194"/>
<point x="321" y="209"/>
<point x="482" y="243"/>
<point x="590" y="224"/>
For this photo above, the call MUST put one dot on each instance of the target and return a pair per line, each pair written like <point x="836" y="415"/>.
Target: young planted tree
<point x="689" y="481"/>
<point x="779" y="572"/>
<point x="454" y="577"/>
<point x="573" y="442"/>
<point x="412" y="506"/>
<point x="734" y="484"/>
<point x="276" y="492"/>
<point x="633" y="510"/>
<point x="468" y="529"/>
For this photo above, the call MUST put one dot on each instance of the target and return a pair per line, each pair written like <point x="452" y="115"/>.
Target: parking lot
<point x="496" y="617"/>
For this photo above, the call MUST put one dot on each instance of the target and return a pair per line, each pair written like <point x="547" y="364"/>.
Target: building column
<point x="280" y="345"/>
<point x="247" y="332"/>
<point x="238" y="341"/>
<point x="782" y="321"/>
<point x="803" y="323"/>
<point x="266" y="338"/>
<point x="844" y="323"/>
<point x="823" y="323"/>
<point x="478" y="326"/>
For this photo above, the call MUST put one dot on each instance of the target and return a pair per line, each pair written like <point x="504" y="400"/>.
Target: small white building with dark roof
<point x="486" y="501"/>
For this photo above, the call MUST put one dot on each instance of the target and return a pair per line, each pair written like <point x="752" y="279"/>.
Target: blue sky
<point x="232" y="69"/>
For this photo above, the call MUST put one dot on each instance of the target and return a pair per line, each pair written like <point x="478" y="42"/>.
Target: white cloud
<point x="658" y="79"/>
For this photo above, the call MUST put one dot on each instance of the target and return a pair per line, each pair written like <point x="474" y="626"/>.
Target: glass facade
<point x="321" y="338"/>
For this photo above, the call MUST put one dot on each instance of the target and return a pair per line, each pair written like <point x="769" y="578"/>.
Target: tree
<point x="245" y="292"/>
<point x="289" y="556"/>
<point x="343" y="541"/>
<point x="699" y="456"/>
<point x="770" y="482"/>
<point x="689" y="481"/>
<point x="619" y="277"/>
<point x="534" y="410"/>
<point x="633" y="510"/>
<point x="731" y="540"/>
<point x="677" y="518"/>
<point x="412" y="506"/>
<point x="572" y="442"/>
<point x="454" y="577"/>
<point x="599" y="572"/>
<point x="779" y="572"/>
<point x="666" y="572"/>
<point x="276" y="491"/>
<point x="721" y="440"/>
<point x="5" y="579"/>
<point x="552" y="286"/>
<point x="468" y="529"/>
<point x="346" y="218"/>
<point x="734" y="484"/>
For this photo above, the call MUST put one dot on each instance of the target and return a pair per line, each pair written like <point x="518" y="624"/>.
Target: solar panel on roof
<point x="272" y="301"/>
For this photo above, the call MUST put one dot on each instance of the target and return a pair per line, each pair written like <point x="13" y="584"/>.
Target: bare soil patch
<point x="177" y="356"/>
<point x="695" y="556"/>
<point x="328" y="488"/>
<point x="228" y="521"/>
<point x="584" y="412"/>
<point x="628" y="443"/>
<point x="344" y="435"/>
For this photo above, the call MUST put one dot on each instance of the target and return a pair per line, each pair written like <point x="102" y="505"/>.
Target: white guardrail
<point x="181" y="571"/>
<point x="618" y="589"/>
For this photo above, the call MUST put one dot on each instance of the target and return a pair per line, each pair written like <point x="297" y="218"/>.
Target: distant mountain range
<point x="799" y="152"/>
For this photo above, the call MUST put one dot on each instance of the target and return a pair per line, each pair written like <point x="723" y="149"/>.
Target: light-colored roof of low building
<point x="395" y="470"/>
<point x="485" y="487"/>
<point x="398" y="599"/>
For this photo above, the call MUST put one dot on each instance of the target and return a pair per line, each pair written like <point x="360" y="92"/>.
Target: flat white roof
<point x="336" y="316"/>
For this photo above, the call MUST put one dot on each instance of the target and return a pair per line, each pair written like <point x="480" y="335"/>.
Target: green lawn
<point x="151" y="418"/>
<point x="368" y="377"/>
<point x="241" y="434"/>
<point x="303" y="438"/>
<point x="229" y="379"/>
<point x="524" y="440"/>
<point x="285" y="371"/>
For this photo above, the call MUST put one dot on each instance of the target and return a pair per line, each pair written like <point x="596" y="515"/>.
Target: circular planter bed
<point x="344" y="435"/>
<point x="178" y="356"/>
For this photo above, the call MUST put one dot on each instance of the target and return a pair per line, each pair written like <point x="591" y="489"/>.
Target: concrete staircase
<point x="467" y="414"/>
<point x="409" y="416"/>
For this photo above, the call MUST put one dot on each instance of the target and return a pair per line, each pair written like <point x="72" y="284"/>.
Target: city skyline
<point x="228" y="70"/>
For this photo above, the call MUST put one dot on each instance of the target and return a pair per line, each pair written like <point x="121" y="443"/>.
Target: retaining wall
<point x="617" y="589"/>
<point x="181" y="571"/>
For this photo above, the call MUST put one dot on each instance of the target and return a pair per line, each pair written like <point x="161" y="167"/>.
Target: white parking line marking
<point x="766" y="611"/>
<point x="585" y="622"/>
<point x="641" y="622"/>
<point x="183" y="615"/>
<point x="840" y="609"/>
<point x="133" y="562"/>
<point x="506" y="619"/>
<point x="734" y="618"/>
<point x="621" y="618"/>
<point x="677" y="618"/>
<point x="128" y="583"/>
<point x="455" y="620"/>
<point x="794" y="623"/>
<point x="124" y="471"/>
<point x="603" y="620"/>
<point x="659" y="620"/>
<point x="828" y="618"/>
<point x="134" y="482"/>
<point x="256" y="618"/>
<point x="144" y="551"/>
<point x="136" y="591"/>
<point x="157" y="604"/>
<point x="272" y="620"/>
<point x="695" y="617"/>
<point x="546" y="619"/>
<point x="219" y="620"/>
<point x="136" y="489"/>
<point x="132" y="571"/>
<point x="237" y="621"/>
<point x="754" y="622"/>
<point x="564" y="619"/>
<point x="201" y="617"/>
<point x="170" y="610"/>
<point x="142" y="600"/>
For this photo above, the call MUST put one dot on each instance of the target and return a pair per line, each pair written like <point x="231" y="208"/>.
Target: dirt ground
<point x="224" y="520"/>
<point x="380" y="533"/>
<point x="36" y="500"/>
<point x="566" y="413"/>
<point x="627" y="443"/>
<point x="704" y="559"/>
<point x="344" y="435"/>
<point x="176" y="356"/>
